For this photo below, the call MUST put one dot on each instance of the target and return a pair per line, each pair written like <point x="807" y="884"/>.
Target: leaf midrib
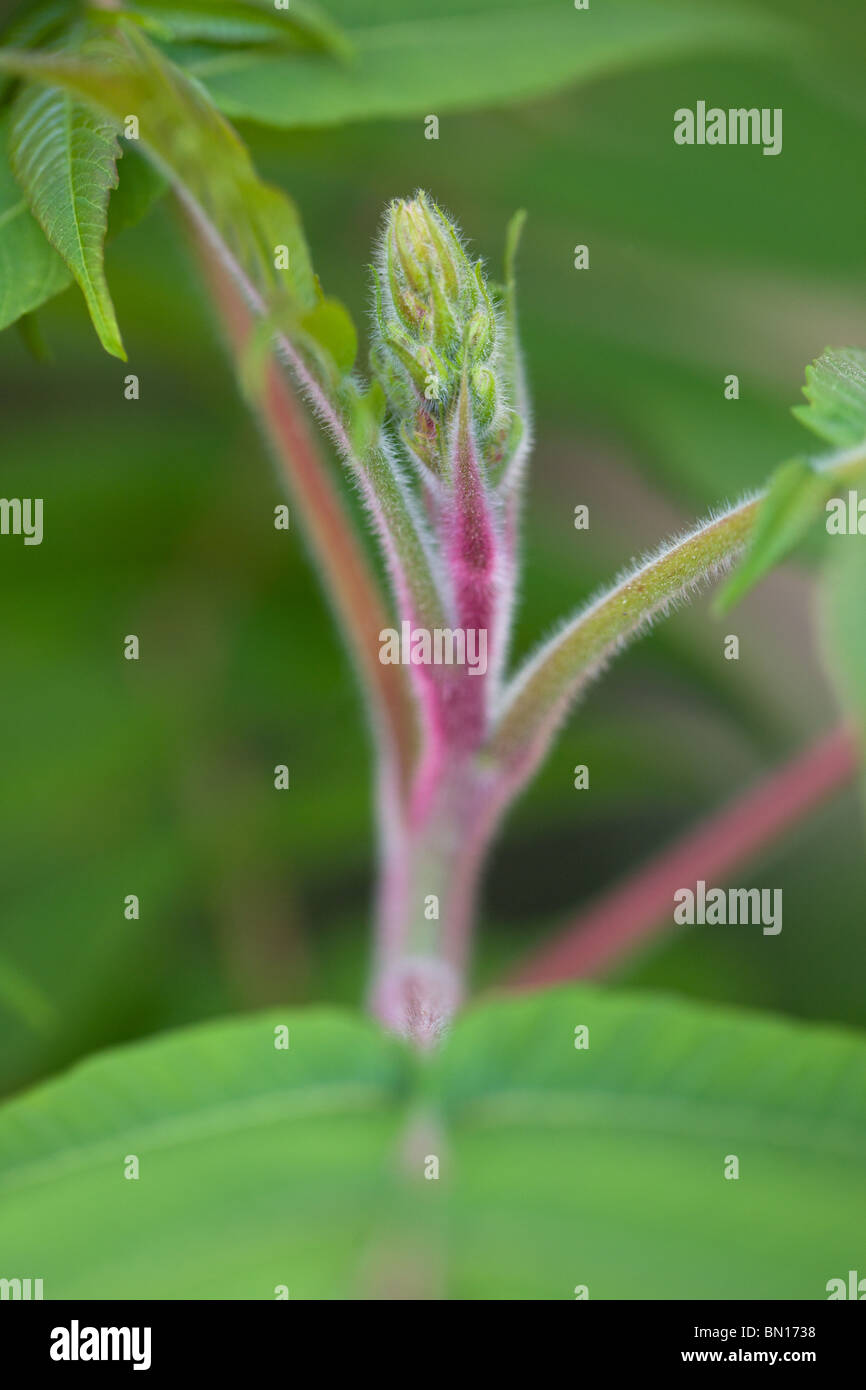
<point x="683" y="1115"/>
<point x="73" y="200"/>
<point x="247" y="1113"/>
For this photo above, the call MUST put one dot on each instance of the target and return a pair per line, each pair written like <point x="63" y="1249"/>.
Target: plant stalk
<point x="430" y="878"/>
<point x="640" y="908"/>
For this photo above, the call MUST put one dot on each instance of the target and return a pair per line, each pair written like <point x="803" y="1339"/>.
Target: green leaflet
<point x="559" y="1166"/>
<point x="836" y="391"/>
<point x="191" y="144"/>
<point x="64" y="156"/>
<point x="31" y="271"/>
<point x="795" y="499"/>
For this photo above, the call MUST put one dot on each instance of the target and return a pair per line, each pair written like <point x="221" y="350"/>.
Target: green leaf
<point x="410" y="61"/>
<point x="605" y="1167"/>
<point x="836" y="391"/>
<point x="330" y="325"/>
<point x="33" y="25"/>
<point x="31" y="271"/>
<point x="558" y="1166"/>
<point x="140" y="186"/>
<point x="795" y="499"/>
<point x="33" y="22"/>
<point x="199" y="153"/>
<point x="796" y="495"/>
<point x="64" y="156"/>
<point x="301" y="25"/>
<point x="31" y="336"/>
<point x="258" y="1166"/>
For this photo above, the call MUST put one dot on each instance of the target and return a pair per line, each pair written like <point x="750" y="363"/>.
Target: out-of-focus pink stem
<point x="351" y="585"/>
<point x="642" y="906"/>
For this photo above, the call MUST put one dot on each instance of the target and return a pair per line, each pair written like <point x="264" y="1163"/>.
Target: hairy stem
<point x="430" y="885"/>
<point x="642" y="906"/>
<point x="352" y="588"/>
<point x="541" y="693"/>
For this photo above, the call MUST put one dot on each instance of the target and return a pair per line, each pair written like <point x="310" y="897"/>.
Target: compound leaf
<point x="64" y="157"/>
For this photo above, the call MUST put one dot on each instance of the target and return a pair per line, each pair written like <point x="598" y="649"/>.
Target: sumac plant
<point x="437" y="437"/>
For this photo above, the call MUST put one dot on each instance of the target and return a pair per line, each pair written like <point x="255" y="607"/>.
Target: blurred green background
<point x="156" y="777"/>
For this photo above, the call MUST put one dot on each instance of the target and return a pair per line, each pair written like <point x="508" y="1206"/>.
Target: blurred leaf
<point x="836" y="391"/>
<point x="141" y="184"/>
<point x="32" y="25"/>
<point x="330" y="324"/>
<point x="513" y="234"/>
<point x="795" y="499"/>
<point x="64" y="156"/>
<point x="31" y="22"/>
<point x="23" y="998"/>
<point x="474" y="53"/>
<point x="31" y="336"/>
<point x="242" y="22"/>
<point x="560" y="1166"/>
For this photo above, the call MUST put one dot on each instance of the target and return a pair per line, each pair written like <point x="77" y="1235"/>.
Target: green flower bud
<point x="483" y="390"/>
<point x="436" y="327"/>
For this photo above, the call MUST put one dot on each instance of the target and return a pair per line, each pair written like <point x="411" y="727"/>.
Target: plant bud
<point x="435" y="328"/>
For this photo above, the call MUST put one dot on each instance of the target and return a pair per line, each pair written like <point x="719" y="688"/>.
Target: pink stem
<point x="432" y="869"/>
<point x="351" y="585"/>
<point x="642" y="906"/>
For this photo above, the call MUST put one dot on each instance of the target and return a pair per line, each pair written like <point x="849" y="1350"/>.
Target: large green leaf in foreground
<point x="559" y="1167"/>
<point x="258" y="1167"/>
<point x="605" y="1167"/>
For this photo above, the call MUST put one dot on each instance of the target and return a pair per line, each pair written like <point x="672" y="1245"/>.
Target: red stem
<point x="352" y="587"/>
<point x="642" y="906"/>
